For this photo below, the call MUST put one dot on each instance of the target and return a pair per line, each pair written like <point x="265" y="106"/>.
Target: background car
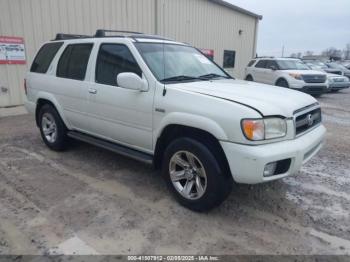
<point x="334" y="65"/>
<point x="287" y="72"/>
<point x="336" y="82"/>
<point x="319" y="65"/>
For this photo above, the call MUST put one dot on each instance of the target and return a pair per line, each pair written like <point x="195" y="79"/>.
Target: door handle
<point x="92" y="91"/>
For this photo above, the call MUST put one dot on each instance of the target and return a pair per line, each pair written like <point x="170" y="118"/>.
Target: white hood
<point x="268" y="100"/>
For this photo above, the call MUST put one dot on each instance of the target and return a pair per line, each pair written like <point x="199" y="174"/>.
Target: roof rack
<point x="102" y="32"/>
<point x="62" y="36"/>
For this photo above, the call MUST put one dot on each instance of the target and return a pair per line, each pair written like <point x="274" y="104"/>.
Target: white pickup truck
<point x="164" y="103"/>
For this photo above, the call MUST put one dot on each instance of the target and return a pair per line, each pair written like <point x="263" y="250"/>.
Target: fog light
<point x="270" y="169"/>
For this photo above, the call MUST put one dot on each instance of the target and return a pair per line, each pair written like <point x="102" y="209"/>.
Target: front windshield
<point x="292" y="65"/>
<point x="173" y="62"/>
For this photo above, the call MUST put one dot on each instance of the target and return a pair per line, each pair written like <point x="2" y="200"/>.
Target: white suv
<point x="166" y="104"/>
<point x="287" y="72"/>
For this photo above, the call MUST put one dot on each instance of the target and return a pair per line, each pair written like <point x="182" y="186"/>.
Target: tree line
<point x="329" y="52"/>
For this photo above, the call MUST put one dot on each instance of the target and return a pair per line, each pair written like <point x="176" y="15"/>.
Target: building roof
<point x="236" y="8"/>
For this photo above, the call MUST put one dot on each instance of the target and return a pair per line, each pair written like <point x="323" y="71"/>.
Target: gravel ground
<point x="90" y="201"/>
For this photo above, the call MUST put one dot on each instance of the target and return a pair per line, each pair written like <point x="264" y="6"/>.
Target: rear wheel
<point x="194" y="176"/>
<point x="53" y="130"/>
<point x="282" y="83"/>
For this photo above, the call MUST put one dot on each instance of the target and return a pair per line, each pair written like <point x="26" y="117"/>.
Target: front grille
<point x="339" y="79"/>
<point x="307" y="120"/>
<point x="314" y="78"/>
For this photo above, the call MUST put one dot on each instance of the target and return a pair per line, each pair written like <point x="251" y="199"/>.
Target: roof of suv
<point x="112" y="34"/>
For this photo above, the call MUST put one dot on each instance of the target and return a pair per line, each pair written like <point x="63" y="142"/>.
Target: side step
<point x="119" y="149"/>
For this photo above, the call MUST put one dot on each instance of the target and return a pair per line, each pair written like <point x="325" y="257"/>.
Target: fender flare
<point x="190" y="120"/>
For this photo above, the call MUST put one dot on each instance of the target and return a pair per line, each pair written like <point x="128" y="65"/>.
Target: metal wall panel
<point x="198" y="22"/>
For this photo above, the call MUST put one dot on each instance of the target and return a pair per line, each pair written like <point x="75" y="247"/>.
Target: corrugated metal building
<point x="208" y="24"/>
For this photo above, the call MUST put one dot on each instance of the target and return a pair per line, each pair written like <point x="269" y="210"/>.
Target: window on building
<point x="229" y="59"/>
<point x="112" y="60"/>
<point x="44" y="57"/>
<point x="74" y="61"/>
<point x="261" y="64"/>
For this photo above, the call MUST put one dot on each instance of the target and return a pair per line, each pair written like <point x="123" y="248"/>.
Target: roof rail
<point x="102" y="32"/>
<point x="62" y="36"/>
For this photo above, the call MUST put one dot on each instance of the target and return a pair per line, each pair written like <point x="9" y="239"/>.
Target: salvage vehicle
<point x="336" y="82"/>
<point x="165" y="103"/>
<point x="288" y="73"/>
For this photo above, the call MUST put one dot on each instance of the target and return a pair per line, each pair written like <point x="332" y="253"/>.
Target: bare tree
<point x="346" y="52"/>
<point x="308" y="53"/>
<point x="332" y="52"/>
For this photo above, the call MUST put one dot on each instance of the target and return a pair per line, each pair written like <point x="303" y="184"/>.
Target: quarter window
<point x="112" y="60"/>
<point x="44" y="57"/>
<point x="74" y="61"/>
<point x="261" y="64"/>
<point x="229" y="59"/>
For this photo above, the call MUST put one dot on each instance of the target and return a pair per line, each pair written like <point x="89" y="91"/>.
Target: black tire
<point x="59" y="143"/>
<point x="218" y="184"/>
<point x="249" y="78"/>
<point x="335" y="90"/>
<point x="282" y="83"/>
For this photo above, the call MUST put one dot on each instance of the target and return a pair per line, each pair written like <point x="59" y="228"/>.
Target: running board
<point x="116" y="148"/>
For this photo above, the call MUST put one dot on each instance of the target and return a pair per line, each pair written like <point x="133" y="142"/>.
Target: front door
<point x="118" y="114"/>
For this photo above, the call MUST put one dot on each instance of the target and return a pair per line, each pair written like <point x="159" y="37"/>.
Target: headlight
<point x="296" y="76"/>
<point x="263" y="129"/>
<point x="330" y="79"/>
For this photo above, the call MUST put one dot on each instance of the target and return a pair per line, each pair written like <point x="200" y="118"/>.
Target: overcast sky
<point x="300" y="25"/>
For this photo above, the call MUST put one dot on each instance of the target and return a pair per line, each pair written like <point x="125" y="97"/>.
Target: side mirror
<point x="273" y="68"/>
<point x="132" y="81"/>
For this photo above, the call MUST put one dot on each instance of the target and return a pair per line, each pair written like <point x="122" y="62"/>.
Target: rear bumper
<point x="247" y="163"/>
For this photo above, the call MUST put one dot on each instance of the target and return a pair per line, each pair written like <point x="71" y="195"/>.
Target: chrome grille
<point x="314" y="78"/>
<point x="308" y="120"/>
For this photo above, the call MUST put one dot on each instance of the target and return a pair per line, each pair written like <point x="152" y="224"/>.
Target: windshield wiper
<point x="180" y="78"/>
<point x="212" y="76"/>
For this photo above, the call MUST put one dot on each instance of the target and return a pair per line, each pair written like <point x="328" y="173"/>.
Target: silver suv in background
<point x="288" y="73"/>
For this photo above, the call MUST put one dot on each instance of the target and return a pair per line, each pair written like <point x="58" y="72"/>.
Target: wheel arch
<point x="44" y="99"/>
<point x="174" y="131"/>
<point x="281" y="78"/>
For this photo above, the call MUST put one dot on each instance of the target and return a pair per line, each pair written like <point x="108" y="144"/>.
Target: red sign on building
<point x="12" y="50"/>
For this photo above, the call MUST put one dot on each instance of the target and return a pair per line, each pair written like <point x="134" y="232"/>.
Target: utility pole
<point x="283" y="51"/>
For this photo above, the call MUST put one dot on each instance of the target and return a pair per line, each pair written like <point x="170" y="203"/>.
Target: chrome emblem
<point x="310" y="119"/>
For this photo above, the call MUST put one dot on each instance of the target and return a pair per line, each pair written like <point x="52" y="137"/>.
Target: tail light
<point x="25" y="86"/>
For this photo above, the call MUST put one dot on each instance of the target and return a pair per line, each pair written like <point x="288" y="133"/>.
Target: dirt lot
<point x="88" y="201"/>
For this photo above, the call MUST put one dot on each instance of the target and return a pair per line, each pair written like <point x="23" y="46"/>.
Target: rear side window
<point x="112" y="60"/>
<point x="251" y="63"/>
<point x="74" y="61"/>
<point x="44" y="57"/>
<point x="261" y="64"/>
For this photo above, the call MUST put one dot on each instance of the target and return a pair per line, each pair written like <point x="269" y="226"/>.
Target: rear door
<point x="260" y="71"/>
<point x="69" y="85"/>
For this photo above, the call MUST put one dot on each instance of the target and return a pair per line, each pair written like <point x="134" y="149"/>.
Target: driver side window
<point x="112" y="60"/>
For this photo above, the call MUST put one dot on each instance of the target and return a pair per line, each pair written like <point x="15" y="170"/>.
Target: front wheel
<point x="194" y="176"/>
<point x="282" y="83"/>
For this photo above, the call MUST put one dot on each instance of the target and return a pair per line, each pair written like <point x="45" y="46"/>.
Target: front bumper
<point x="247" y="162"/>
<point x="315" y="89"/>
<point x="339" y="85"/>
